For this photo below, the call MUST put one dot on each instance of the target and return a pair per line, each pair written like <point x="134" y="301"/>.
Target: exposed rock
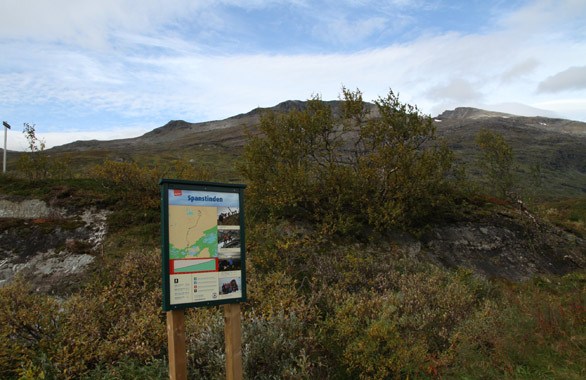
<point x="505" y="247"/>
<point x="48" y="271"/>
<point x="53" y="248"/>
<point x="28" y="209"/>
<point x="46" y="245"/>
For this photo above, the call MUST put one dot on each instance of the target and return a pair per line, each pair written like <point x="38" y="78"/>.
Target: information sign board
<point x="203" y="244"/>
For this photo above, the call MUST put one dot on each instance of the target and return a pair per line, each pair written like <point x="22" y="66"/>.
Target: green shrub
<point x="29" y="325"/>
<point x="346" y="169"/>
<point x="101" y="325"/>
<point x="496" y="162"/>
<point x="278" y="347"/>
<point x="534" y="330"/>
<point x="34" y="164"/>
<point x="138" y="185"/>
<point x="204" y="329"/>
<point x="129" y="370"/>
<point x="403" y="331"/>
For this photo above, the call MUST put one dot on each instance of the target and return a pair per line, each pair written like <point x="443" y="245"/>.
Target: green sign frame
<point x="203" y="243"/>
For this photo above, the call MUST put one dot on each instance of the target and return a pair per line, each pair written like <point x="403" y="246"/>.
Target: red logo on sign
<point x="177" y="193"/>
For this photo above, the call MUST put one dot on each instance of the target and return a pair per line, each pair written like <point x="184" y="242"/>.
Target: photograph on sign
<point x="229" y="238"/>
<point x="230" y="286"/>
<point x="204" y="246"/>
<point x="229" y="264"/>
<point x="228" y="216"/>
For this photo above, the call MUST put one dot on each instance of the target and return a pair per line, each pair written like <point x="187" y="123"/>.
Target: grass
<point x="569" y="214"/>
<point x="72" y="192"/>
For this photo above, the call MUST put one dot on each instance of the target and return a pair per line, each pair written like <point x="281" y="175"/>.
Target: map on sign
<point x="193" y="232"/>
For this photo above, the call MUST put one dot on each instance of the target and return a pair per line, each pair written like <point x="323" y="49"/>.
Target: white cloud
<point x="573" y="78"/>
<point x="547" y="15"/>
<point x="569" y="108"/>
<point x="115" y="58"/>
<point x="520" y="109"/>
<point x="459" y="90"/>
<point x="86" y="23"/>
<point x="341" y="30"/>
<point x="520" y="69"/>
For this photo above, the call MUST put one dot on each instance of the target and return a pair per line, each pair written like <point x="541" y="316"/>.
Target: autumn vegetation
<point x="330" y="295"/>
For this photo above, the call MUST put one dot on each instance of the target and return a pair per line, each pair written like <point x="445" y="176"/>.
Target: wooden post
<point x="176" y="342"/>
<point x="232" y="334"/>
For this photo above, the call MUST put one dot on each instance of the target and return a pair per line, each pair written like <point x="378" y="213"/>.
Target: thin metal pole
<point x="4" y="161"/>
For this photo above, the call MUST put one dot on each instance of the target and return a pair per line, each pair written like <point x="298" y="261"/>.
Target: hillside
<point x="444" y="296"/>
<point x="556" y="146"/>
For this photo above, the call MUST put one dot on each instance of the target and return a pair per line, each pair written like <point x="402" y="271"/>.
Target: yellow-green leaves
<point x="348" y="165"/>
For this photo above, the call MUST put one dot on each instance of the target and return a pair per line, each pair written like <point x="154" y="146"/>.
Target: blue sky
<point x="87" y="69"/>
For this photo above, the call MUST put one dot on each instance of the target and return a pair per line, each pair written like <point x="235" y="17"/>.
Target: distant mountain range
<point x="556" y="146"/>
<point x="182" y="133"/>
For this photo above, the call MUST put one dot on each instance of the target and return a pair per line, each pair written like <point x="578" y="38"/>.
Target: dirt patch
<point x="49" y="247"/>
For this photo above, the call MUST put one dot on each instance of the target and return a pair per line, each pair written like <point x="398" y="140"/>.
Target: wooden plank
<point x="176" y="343"/>
<point x="233" y="334"/>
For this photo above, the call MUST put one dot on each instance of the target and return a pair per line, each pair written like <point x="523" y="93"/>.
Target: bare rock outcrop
<point x="505" y="246"/>
<point x="50" y="247"/>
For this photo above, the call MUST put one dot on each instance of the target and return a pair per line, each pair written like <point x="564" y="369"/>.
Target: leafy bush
<point x="139" y="186"/>
<point x="29" y="325"/>
<point x="204" y="329"/>
<point x="103" y="324"/>
<point x="348" y="169"/>
<point x="278" y="347"/>
<point x="279" y="335"/>
<point x="318" y="307"/>
<point x="401" y="332"/>
<point x="129" y="370"/>
<point x="424" y="322"/>
<point x="496" y="161"/>
<point x="536" y="330"/>
<point x="277" y="338"/>
<point x="36" y="164"/>
<point x="33" y="164"/>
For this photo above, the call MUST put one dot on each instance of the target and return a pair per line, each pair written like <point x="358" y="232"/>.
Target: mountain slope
<point x="557" y="147"/>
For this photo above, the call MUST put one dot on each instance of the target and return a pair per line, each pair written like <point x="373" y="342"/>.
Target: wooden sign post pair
<point x="177" y="348"/>
<point x="203" y="263"/>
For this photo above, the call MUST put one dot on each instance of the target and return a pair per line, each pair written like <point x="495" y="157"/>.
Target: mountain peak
<point x="470" y="113"/>
<point x="290" y="105"/>
<point x="177" y="124"/>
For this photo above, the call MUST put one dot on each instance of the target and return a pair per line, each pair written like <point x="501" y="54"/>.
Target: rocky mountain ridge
<point x="182" y="132"/>
<point x="557" y="147"/>
<point x="554" y="125"/>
